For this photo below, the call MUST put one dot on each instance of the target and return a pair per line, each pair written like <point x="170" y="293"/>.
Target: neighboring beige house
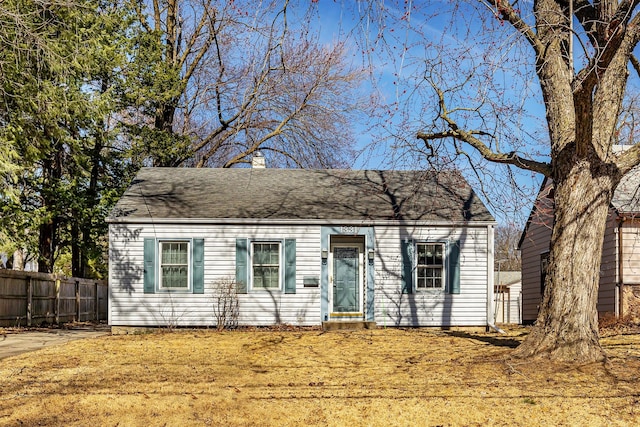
<point x="619" y="293"/>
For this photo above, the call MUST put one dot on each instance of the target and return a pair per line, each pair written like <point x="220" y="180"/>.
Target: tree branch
<point x="197" y="32"/>
<point x="629" y="159"/>
<point x="143" y="20"/>
<point x="634" y="27"/>
<point x="510" y="158"/>
<point x="470" y="137"/>
<point x="635" y="64"/>
<point x="585" y="12"/>
<point x="607" y="43"/>
<point x="156" y="15"/>
<point x="505" y="10"/>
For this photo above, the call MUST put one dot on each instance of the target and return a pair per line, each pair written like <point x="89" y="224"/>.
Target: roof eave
<point x="279" y="221"/>
<point x="627" y="214"/>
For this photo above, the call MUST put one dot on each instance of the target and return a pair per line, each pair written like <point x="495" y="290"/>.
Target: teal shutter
<point x="242" y="267"/>
<point x="198" y="266"/>
<point x="454" y="268"/>
<point x="290" y="266"/>
<point x="406" y="249"/>
<point x="149" y="266"/>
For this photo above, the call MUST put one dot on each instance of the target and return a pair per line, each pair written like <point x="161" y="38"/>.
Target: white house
<point x="303" y="247"/>
<point x="508" y="297"/>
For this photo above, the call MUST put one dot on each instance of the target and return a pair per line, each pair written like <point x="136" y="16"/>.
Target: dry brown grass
<point x="377" y="377"/>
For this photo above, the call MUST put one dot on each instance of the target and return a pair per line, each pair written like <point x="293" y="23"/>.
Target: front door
<point x="346" y="281"/>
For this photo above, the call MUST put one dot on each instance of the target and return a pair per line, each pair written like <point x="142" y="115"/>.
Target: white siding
<point x="631" y="252"/>
<point x="130" y="306"/>
<point x="431" y="308"/>
<point x="630" y="274"/>
<point x="509" y="310"/>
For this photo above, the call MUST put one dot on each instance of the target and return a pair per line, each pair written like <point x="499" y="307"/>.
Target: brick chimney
<point x="258" y="161"/>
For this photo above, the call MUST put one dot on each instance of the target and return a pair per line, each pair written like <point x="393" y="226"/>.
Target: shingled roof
<point x="286" y="194"/>
<point x="626" y="198"/>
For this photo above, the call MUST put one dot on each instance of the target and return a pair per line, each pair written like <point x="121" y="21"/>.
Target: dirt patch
<point x="46" y="327"/>
<point x="312" y="377"/>
<point x="631" y="302"/>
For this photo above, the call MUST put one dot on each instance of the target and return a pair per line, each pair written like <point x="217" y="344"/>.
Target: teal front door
<point x="345" y="279"/>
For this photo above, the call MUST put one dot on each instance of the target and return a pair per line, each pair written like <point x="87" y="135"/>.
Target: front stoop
<point x="350" y="325"/>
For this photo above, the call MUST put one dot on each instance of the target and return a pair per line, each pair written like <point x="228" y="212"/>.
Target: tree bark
<point x="76" y="250"/>
<point x="567" y="324"/>
<point x="49" y="229"/>
<point x="583" y="102"/>
<point x="45" y="246"/>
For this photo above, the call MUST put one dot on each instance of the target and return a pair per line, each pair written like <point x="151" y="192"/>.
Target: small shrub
<point x="609" y="320"/>
<point x="226" y="309"/>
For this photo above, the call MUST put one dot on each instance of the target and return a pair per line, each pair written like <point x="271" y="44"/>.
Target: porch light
<point x="325" y="254"/>
<point x="370" y="254"/>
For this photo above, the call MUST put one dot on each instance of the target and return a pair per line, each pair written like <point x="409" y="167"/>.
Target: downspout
<point x="490" y="284"/>
<point x="620" y="282"/>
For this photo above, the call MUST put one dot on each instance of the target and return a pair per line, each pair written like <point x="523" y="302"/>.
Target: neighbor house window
<point x="174" y="265"/>
<point x="266" y="265"/>
<point x="430" y="265"/>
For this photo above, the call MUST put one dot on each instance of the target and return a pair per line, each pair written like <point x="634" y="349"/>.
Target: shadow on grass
<point x="497" y="341"/>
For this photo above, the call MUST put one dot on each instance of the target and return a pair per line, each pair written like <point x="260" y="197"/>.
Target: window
<point x="430" y="265"/>
<point x="266" y="265"/>
<point x="174" y="265"/>
<point x="423" y="266"/>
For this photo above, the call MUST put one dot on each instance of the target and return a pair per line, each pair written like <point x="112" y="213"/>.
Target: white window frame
<point x="280" y="244"/>
<point x="443" y="266"/>
<point x="189" y="286"/>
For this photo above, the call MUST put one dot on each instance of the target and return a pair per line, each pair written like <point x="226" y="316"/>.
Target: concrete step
<point x="349" y="325"/>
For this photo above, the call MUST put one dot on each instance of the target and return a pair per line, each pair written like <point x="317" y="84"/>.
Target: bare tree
<point x="507" y="257"/>
<point x="218" y="81"/>
<point x="540" y="86"/>
<point x="583" y="92"/>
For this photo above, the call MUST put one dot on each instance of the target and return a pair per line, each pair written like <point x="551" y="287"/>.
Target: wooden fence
<point x="28" y="299"/>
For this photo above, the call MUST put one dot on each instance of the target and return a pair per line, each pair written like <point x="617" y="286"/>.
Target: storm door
<point x="346" y="279"/>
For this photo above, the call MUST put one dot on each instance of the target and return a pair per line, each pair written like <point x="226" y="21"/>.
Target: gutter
<point x="308" y="221"/>
<point x="495" y="328"/>
<point x="620" y="282"/>
<point x="490" y="278"/>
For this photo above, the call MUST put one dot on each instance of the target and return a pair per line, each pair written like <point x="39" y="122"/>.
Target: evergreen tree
<point x="58" y="66"/>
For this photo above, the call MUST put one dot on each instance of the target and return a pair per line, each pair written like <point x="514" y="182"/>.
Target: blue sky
<point x="412" y="38"/>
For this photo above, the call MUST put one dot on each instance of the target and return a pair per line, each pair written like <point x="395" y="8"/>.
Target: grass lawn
<point x="382" y="377"/>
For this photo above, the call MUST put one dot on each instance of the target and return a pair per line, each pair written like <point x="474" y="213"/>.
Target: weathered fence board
<point x="28" y="298"/>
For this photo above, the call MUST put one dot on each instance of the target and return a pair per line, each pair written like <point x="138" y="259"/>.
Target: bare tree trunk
<point x="46" y="257"/>
<point x="164" y="117"/>
<point x="49" y="229"/>
<point x="567" y="324"/>
<point x="76" y="249"/>
<point x="583" y="101"/>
